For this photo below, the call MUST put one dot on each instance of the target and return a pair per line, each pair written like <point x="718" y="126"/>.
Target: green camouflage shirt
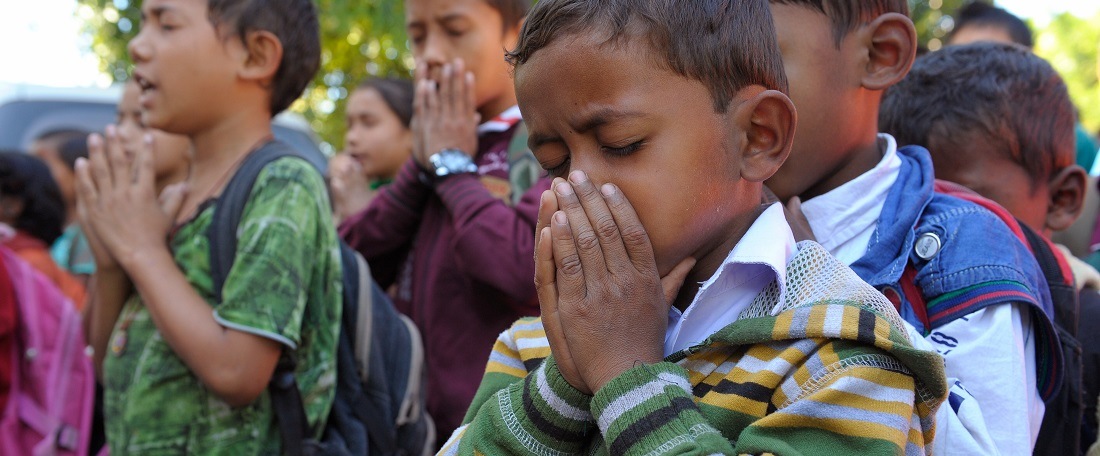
<point x="285" y="285"/>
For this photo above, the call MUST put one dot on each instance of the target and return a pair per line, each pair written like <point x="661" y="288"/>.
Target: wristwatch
<point x="449" y="162"/>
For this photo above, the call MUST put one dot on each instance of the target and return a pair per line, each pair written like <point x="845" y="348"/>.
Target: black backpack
<point x="379" y="407"/>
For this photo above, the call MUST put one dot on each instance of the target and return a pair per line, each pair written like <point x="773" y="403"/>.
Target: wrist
<point x="145" y="258"/>
<point x="449" y="162"/>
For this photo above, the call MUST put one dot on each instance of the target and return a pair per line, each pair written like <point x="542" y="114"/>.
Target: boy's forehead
<point x="441" y="9"/>
<point x="160" y="6"/>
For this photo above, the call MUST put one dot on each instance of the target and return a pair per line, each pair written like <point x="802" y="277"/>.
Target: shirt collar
<point x="767" y="246"/>
<point x="502" y="122"/>
<point x="849" y="209"/>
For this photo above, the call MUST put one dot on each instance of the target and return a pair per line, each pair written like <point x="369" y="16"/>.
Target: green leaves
<point x="359" y="39"/>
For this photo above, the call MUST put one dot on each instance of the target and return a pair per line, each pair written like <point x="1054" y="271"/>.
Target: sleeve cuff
<point x="649" y="408"/>
<point x="554" y="409"/>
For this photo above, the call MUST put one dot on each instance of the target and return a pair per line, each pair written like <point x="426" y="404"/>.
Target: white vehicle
<point x="27" y="111"/>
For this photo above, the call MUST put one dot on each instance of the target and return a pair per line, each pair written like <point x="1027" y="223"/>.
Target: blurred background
<point x="82" y="43"/>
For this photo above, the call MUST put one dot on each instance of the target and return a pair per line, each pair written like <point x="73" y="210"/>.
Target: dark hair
<point x="1002" y="92"/>
<point x="397" y="93"/>
<point x="294" y="22"/>
<point x="27" y="178"/>
<point x="71" y="150"/>
<point x="60" y="136"/>
<point x="511" y="11"/>
<point x="725" y="44"/>
<point x="981" y="14"/>
<point x="847" y="15"/>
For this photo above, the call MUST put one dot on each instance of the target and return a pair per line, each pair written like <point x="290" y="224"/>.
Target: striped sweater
<point x="821" y="368"/>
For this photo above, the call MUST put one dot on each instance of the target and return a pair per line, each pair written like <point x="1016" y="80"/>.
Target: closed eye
<point x="622" y="151"/>
<point x="559" y="170"/>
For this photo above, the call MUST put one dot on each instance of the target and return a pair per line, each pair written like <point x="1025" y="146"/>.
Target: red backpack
<point x="52" y="385"/>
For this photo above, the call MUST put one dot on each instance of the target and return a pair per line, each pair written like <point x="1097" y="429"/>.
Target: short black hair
<point x="294" y="22"/>
<point x="981" y="14"/>
<point x="1002" y="92"/>
<point x="397" y="93"/>
<point x="847" y="15"/>
<point x="61" y="135"/>
<point x="725" y="44"/>
<point x="73" y="149"/>
<point x="28" y="178"/>
<point x="511" y="12"/>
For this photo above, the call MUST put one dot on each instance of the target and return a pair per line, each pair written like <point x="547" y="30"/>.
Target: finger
<point x="471" y="97"/>
<point x="569" y="270"/>
<point x="587" y="242"/>
<point x="447" y="92"/>
<point x="459" y="94"/>
<point x="635" y="238"/>
<point x="98" y="168"/>
<point x="545" y="273"/>
<point x="672" y="282"/>
<point x="603" y="223"/>
<point x="548" y="205"/>
<point x="117" y="160"/>
<point x="145" y="169"/>
<point x="86" y="194"/>
<point x="800" y="225"/>
<point x="431" y="100"/>
<point x="171" y="199"/>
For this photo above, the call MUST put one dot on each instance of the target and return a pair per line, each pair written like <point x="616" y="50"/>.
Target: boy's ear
<point x="1067" y="197"/>
<point x="767" y="119"/>
<point x="264" y="54"/>
<point x="892" y="48"/>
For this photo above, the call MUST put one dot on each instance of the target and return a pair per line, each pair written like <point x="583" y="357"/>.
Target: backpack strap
<point x="222" y="232"/>
<point x="286" y="399"/>
<point x="523" y="169"/>
<point x="1061" y="283"/>
<point x="915" y="296"/>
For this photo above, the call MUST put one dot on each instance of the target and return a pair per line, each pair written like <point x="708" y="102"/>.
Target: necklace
<point x="208" y="194"/>
<point x="118" y="341"/>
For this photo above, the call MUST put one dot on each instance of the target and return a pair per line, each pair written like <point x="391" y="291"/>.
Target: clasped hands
<point x="604" y="305"/>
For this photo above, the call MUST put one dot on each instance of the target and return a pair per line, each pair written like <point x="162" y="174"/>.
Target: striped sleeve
<point x="650" y="410"/>
<point x="542" y="414"/>
<point x="862" y="404"/>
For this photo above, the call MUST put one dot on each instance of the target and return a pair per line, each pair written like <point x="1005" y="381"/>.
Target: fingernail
<point x="578" y="177"/>
<point x="564" y="189"/>
<point x="607" y="189"/>
<point x="447" y="70"/>
<point x="148" y="138"/>
<point x="95" y="140"/>
<point x="111" y="131"/>
<point x="560" y="218"/>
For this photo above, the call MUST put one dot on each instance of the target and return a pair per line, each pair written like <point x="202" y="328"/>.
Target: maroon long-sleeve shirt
<point x="461" y="259"/>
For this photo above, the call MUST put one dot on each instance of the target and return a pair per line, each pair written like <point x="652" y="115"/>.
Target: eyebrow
<point x="602" y="117"/>
<point x="156" y="11"/>
<point x="587" y="123"/>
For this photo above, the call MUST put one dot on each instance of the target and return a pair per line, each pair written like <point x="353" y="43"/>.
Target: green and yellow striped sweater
<point x="824" y="369"/>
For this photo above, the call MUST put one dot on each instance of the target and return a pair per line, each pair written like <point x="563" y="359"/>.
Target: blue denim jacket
<point x="968" y="260"/>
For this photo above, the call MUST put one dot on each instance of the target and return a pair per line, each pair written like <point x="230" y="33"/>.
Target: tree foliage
<point x="363" y="38"/>
<point x="1071" y="44"/>
<point x="359" y="39"/>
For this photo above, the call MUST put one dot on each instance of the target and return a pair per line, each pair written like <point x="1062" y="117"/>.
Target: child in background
<point x="59" y="149"/>
<point x="33" y="215"/>
<point x="769" y="347"/>
<point x="873" y="206"/>
<point x="378" y="142"/>
<point x="998" y="119"/>
<point x="452" y="233"/>
<point x="184" y="371"/>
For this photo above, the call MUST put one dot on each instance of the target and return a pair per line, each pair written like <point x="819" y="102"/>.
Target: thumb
<point x="672" y="282"/>
<point x="171" y="199"/>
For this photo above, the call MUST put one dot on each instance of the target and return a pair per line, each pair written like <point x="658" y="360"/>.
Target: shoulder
<point x="964" y="244"/>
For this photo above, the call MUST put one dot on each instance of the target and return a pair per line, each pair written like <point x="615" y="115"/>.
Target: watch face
<point x="452" y="161"/>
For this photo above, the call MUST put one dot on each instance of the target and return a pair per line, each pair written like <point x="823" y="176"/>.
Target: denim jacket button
<point x="927" y="246"/>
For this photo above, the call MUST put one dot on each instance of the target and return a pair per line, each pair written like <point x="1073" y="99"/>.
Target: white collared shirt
<point x="844" y="219"/>
<point x="990" y="354"/>
<point x="760" y="257"/>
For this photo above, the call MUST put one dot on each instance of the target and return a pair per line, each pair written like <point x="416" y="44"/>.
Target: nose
<point x="139" y="48"/>
<point x="436" y="52"/>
